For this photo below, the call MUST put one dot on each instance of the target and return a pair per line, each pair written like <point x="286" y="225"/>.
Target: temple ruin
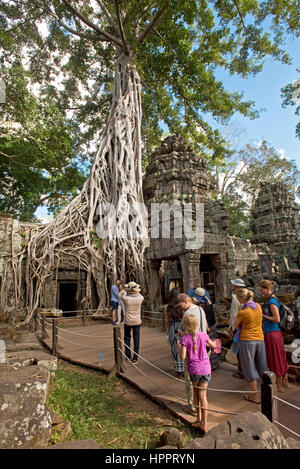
<point x="177" y="177"/>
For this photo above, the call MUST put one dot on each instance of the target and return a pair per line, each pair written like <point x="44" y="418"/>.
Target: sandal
<point x="248" y="398"/>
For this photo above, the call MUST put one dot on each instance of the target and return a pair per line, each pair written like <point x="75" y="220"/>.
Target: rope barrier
<point x="85" y="346"/>
<point x="287" y="403"/>
<point x="177" y="379"/>
<point x="87" y="335"/>
<point x="278" y="423"/>
<point x="172" y="394"/>
<point x="155" y="319"/>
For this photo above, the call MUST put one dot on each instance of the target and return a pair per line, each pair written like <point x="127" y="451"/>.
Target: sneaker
<point x="114" y="323"/>
<point x="134" y="360"/>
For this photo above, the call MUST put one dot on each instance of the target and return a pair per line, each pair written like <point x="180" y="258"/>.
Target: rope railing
<point x="41" y="320"/>
<point x="287" y="403"/>
<point x="155" y="319"/>
<point x="177" y="379"/>
<point x="98" y="347"/>
<point x="286" y="428"/>
<point x="87" y="335"/>
<point x="172" y="394"/>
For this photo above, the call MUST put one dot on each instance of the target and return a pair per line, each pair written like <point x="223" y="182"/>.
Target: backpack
<point x="209" y="311"/>
<point x="287" y="318"/>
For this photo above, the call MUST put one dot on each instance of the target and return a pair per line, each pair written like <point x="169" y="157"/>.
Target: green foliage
<point x="291" y="97"/>
<point x="37" y="147"/>
<point x="59" y="73"/>
<point x="177" y="60"/>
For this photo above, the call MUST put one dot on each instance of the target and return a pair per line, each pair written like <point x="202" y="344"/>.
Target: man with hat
<point x="235" y="284"/>
<point x="132" y="319"/>
<point x="199" y="294"/>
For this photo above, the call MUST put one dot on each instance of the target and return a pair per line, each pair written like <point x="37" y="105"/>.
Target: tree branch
<point x="107" y="14"/>
<point x="68" y="28"/>
<point x="153" y="22"/>
<point x="121" y="29"/>
<point x="92" y="25"/>
<point x="240" y="15"/>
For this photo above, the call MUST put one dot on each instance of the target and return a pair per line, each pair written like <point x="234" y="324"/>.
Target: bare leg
<point x="197" y="405"/>
<point x="279" y="383"/>
<point x="204" y="404"/>
<point x="286" y="381"/>
<point x="253" y="397"/>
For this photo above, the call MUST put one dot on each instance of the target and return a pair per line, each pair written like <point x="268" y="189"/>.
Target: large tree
<point x="164" y="53"/>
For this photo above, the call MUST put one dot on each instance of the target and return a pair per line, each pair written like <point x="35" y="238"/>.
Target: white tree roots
<point x="115" y="181"/>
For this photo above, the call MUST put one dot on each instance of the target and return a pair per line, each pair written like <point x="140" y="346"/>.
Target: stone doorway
<point x="67" y="297"/>
<point x="210" y="266"/>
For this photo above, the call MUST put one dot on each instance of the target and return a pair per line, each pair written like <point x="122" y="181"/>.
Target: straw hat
<point x="132" y="287"/>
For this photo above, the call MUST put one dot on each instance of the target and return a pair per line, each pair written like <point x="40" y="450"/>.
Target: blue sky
<point x="276" y="124"/>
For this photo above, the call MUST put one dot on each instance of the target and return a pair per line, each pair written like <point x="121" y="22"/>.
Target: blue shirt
<point x="269" y="326"/>
<point x="114" y="293"/>
<point x="201" y="299"/>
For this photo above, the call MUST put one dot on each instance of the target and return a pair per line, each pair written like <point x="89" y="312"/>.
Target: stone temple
<point x="178" y="176"/>
<point x="202" y="255"/>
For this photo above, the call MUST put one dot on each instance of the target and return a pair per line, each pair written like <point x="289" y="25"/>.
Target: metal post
<point x="268" y="391"/>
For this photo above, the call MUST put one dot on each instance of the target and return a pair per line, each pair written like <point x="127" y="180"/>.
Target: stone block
<point x="172" y="437"/>
<point x="25" y="420"/>
<point x="207" y="442"/>
<point x="245" y="431"/>
<point x="32" y="357"/>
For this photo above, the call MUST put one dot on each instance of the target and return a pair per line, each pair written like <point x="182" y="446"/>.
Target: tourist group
<point x="191" y="332"/>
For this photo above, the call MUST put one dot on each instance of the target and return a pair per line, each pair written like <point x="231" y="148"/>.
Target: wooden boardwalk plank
<point x="78" y="344"/>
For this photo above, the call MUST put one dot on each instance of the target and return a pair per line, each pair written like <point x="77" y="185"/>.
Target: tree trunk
<point x="115" y="182"/>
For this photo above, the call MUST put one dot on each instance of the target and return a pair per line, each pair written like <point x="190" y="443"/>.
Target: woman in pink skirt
<point x="276" y="356"/>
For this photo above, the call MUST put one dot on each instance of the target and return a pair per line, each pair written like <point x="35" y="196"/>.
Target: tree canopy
<point x="177" y="45"/>
<point x="37" y="143"/>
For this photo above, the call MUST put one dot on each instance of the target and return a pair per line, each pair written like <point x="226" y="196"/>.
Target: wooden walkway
<point x="82" y="345"/>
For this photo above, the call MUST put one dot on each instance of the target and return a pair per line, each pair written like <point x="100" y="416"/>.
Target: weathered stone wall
<point x="25" y="377"/>
<point x="276" y="215"/>
<point x="14" y="236"/>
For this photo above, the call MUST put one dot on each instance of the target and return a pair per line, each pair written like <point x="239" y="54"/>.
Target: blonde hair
<point x="267" y="283"/>
<point x="244" y="293"/>
<point x="190" y="326"/>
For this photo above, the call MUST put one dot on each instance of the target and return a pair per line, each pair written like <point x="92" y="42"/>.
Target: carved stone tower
<point x="177" y="181"/>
